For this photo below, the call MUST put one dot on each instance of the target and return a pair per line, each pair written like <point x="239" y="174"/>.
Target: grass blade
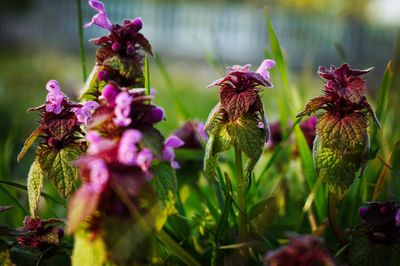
<point x="304" y="150"/>
<point x="146" y="75"/>
<point x="81" y="43"/>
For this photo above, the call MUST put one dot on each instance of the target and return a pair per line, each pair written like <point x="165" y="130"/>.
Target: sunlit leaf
<point x="34" y="184"/>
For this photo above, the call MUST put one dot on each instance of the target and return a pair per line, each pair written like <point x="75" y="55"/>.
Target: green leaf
<point x="260" y="207"/>
<point x="152" y="138"/>
<point x="34" y="184"/>
<point x="93" y="89"/>
<point x="21" y="255"/>
<point x="364" y="252"/>
<point x="28" y="142"/>
<point x="249" y="138"/>
<point x="383" y="98"/>
<point x="128" y="68"/>
<point x="57" y="166"/>
<point x="164" y="183"/>
<point x="87" y="251"/>
<point x="57" y="255"/>
<point x="210" y="160"/>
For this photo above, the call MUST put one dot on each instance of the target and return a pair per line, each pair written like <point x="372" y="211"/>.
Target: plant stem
<point x="333" y="205"/>
<point x="81" y="44"/>
<point x="241" y="193"/>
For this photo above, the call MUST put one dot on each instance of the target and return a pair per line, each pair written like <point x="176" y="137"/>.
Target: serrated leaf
<point x="213" y="119"/>
<point x="87" y="251"/>
<point x="364" y="252"/>
<point x="34" y="184"/>
<point x="28" y="142"/>
<point x="57" y="166"/>
<point x="164" y="183"/>
<point x="93" y="87"/>
<point x="247" y="135"/>
<point x="312" y="106"/>
<point x="210" y="160"/>
<point x="222" y="140"/>
<point x="152" y="138"/>
<point x="342" y="133"/>
<point x="128" y="68"/>
<point x="61" y="125"/>
<point x="236" y="104"/>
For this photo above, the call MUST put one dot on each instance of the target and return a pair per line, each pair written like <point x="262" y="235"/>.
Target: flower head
<point x="301" y="251"/>
<point x="40" y="234"/>
<point x="123" y="39"/>
<point x="84" y="113"/>
<point x="98" y="174"/>
<point x="239" y="89"/>
<point x="55" y="97"/>
<point x="381" y="220"/>
<point x="168" y="151"/>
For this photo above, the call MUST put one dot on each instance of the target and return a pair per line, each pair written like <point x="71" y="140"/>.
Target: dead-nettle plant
<point x="125" y="164"/>
<point x="342" y="144"/>
<point x="238" y="121"/>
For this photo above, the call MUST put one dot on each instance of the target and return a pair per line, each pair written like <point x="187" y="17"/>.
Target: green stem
<point x="241" y="184"/>
<point x="81" y="44"/>
<point x="333" y="208"/>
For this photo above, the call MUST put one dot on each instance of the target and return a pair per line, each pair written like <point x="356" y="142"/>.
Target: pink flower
<point x="127" y="151"/>
<point x="54" y="98"/>
<point x="84" y="113"/>
<point x="264" y="67"/>
<point x="122" y="109"/>
<point x="168" y="152"/>
<point x="98" y="144"/>
<point x="110" y="92"/>
<point x="101" y="18"/>
<point x="144" y="159"/>
<point x="98" y="175"/>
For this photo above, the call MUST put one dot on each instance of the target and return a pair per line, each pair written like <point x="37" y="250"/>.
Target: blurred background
<point x="195" y="41"/>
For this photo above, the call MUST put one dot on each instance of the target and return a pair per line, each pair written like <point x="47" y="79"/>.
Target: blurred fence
<point x="232" y="33"/>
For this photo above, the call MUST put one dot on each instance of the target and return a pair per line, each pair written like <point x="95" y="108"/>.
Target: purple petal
<point x="137" y="23"/>
<point x="93" y="137"/>
<point x="155" y="115"/>
<point x="264" y="67"/>
<point x="122" y="122"/>
<point x="98" y="174"/>
<point x="123" y="99"/>
<point x="101" y="20"/>
<point x="127" y="151"/>
<point x="97" y="5"/>
<point x="144" y="159"/>
<point x="397" y="218"/>
<point x="90" y="106"/>
<point x="363" y="212"/>
<point x="53" y="86"/>
<point x="110" y="92"/>
<point x="174" y="142"/>
<point x="102" y="75"/>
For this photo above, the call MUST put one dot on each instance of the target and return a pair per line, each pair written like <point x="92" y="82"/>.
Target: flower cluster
<point x="382" y="220"/>
<point x="123" y="144"/>
<point x="341" y="145"/>
<point x="301" y="251"/>
<point x="40" y="234"/>
<point x="239" y="90"/>
<point x="124" y="40"/>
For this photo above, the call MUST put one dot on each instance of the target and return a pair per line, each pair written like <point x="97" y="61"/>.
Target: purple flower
<point x="98" y="175"/>
<point x="127" y="151"/>
<point x="101" y="18"/>
<point x="192" y="134"/>
<point x="144" y="158"/>
<point x="264" y="67"/>
<point x="397" y="218"/>
<point x="168" y="152"/>
<point x="54" y="98"/>
<point x="155" y="115"/>
<point x="239" y="89"/>
<point x="122" y="109"/>
<point x="110" y="92"/>
<point x="83" y="114"/>
<point x="98" y="144"/>
<point x="102" y="75"/>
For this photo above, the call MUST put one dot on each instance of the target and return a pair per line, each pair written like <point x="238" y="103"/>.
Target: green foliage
<point x="364" y="252"/>
<point x="35" y="184"/>
<point x="340" y="150"/>
<point x="57" y="166"/>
